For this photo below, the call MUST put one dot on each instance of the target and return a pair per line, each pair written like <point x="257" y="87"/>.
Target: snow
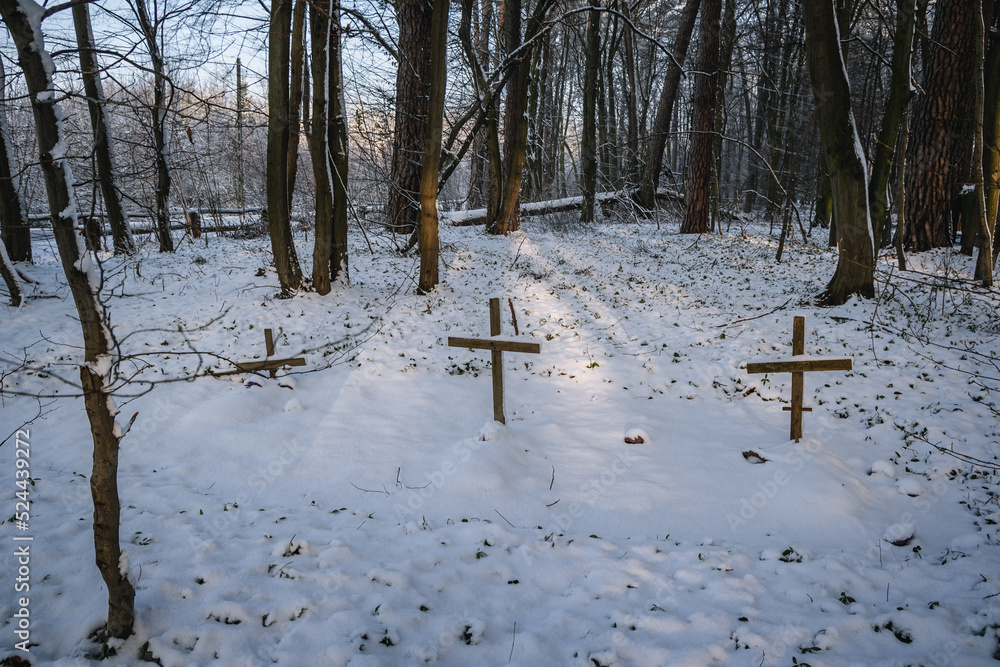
<point x="367" y="510"/>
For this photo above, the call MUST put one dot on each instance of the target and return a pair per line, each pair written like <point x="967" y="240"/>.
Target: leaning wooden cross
<point x="269" y="365"/>
<point x="497" y="348"/>
<point x="797" y="367"/>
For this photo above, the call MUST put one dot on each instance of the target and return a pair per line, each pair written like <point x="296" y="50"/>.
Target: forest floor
<point x="365" y="509"/>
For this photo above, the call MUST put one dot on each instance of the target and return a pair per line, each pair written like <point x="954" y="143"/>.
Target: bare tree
<point x="588" y="143"/>
<point x="845" y="163"/>
<point x="159" y="125"/>
<point x="697" y="189"/>
<point x="23" y="19"/>
<point x="100" y="123"/>
<point x="15" y="233"/>
<point x="646" y="195"/>
<point x="428" y="233"/>
<point x="286" y="261"/>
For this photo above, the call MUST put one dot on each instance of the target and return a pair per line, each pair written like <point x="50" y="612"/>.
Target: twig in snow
<point x="756" y="317"/>
<point x="513" y="316"/>
<point x="503" y="517"/>
<point x="511" y="656"/>
<point x="553" y="480"/>
<point x="369" y="490"/>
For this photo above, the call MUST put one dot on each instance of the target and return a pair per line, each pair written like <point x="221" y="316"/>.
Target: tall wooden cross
<point x="496" y="348"/>
<point x="797" y="367"/>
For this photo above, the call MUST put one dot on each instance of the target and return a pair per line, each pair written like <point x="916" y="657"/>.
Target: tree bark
<point x="286" y="261"/>
<point x="15" y="233"/>
<point x="984" y="262"/>
<point x="588" y="143"/>
<point x="319" y="26"/>
<point x="428" y="233"/>
<point x="697" y="191"/>
<point x="991" y="126"/>
<point x="941" y="139"/>
<point x="80" y="267"/>
<point x="298" y="56"/>
<point x="100" y="123"/>
<point x="159" y="123"/>
<point x="631" y="103"/>
<point x="900" y="92"/>
<point x="646" y="195"/>
<point x="855" y="272"/>
<point x="338" y="151"/>
<point x="10" y="277"/>
<point x="508" y="218"/>
<point x="412" y="81"/>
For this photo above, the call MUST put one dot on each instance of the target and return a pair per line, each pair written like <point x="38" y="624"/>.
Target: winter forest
<point x="488" y="332"/>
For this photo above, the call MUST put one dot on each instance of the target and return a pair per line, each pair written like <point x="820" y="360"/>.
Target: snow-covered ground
<point x="367" y="510"/>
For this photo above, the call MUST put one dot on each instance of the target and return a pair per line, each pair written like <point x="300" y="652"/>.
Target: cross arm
<point x="802" y="365"/>
<point x="268" y="364"/>
<point x="495" y="345"/>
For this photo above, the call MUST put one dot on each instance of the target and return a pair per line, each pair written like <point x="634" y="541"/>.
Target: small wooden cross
<point x="496" y="348"/>
<point x="797" y="368"/>
<point x="269" y="365"/>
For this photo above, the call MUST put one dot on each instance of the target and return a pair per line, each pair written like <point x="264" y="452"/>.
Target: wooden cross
<point x="797" y="368"/>
<point x="269" y="365"/>
<point x="496" y="348"/>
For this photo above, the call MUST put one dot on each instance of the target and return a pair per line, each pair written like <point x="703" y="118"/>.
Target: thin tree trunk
<point x="298" y="55"/>
<point x="697" y="191"/>
<point x="286" y="261"/>
<point x="319" y="26"/>
<point x="338" y="151"/>
<point x="15" y="233"/>
<point x="107" y="173"/>
<point x="631" y="104"/>
<point x="159" y="124"/>
<point x="855" y="272"/>
<point x="646" y="196"/>
<point x="508" y="217"/>
<point x="991" y="127"/>
<point x="428" y="234"/>
<point x="900" y="92"/>
<point x="984" y="263"/>
<point x="588" y="144"/>
<point x="80" y="267"/>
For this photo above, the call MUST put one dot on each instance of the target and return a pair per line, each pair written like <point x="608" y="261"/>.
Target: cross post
<point x="798" y="368"/>
<point x="496" y="348"/>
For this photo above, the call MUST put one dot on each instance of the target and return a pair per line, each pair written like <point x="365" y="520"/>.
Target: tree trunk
<point x="631" y="104"/>
<point x="286" y="262"/>
<point x="941" y="139"/>
<point x="984" y="263"/>
<point x="298" y="56"/>
<point x="15" y="233"/>
<point x="855" y="272"/>
<point x="697" y="191"/>
<point x="82" y="275"/>
<point x="588" y="143"/>
<point x="646" y="196"/>
<point x="429" y="239"/>
<point x="159" y="125"/>
<point x="508" y="218"/>
<point x="900" y="92"/>
<point x="319" y="26"/>
<point x="338" y="151"/>
<point x="991" y="126"/>
<point x="107" y="173"/>
<point x="489" y="100"/>
<point x="412" y="84"/>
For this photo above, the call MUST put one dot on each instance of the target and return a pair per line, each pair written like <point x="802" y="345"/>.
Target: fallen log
<point x="478" y="216"/>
